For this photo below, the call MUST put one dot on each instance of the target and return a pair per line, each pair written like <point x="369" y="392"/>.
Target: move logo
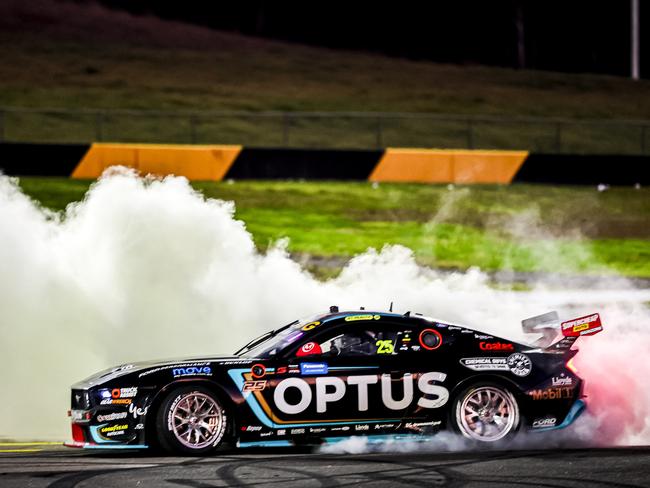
<point x="331" y="389"/>
<point x="192" y="371"/>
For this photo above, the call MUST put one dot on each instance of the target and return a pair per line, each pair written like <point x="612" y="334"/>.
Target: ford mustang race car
<point x="337" y="375"/>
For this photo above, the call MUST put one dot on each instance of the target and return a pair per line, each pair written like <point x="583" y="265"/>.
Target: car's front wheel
<point x="486" y="412"/>
<point x="191" y="420"/>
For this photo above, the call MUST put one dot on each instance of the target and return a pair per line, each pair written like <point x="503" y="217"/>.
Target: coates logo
<point x="496" y="346"/>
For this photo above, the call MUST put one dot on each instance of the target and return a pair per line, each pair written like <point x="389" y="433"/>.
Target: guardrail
<point x="327" y="130"/>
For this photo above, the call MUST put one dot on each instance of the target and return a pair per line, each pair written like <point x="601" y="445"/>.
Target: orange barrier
<point x="448" y="166"/>
<point x="193" y="162"/>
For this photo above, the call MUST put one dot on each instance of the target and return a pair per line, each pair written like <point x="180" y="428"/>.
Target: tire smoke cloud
<point x="148" y="268"/>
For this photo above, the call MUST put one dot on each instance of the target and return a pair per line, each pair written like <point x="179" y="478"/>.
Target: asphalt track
<point x="59" y="467"/>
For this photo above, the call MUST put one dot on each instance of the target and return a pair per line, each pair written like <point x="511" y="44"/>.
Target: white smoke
<point x="146" y="268"/>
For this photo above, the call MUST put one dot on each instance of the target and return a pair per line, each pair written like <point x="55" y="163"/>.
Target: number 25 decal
<point x="385" y="347"/>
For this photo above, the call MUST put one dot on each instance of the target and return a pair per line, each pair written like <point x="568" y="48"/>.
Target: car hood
<point x="126" y="369"/>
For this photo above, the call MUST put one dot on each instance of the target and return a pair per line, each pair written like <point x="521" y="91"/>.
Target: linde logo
<point x="330" y="389"/>
<point x="562" y="381"/>
<point x="495" y="346"/>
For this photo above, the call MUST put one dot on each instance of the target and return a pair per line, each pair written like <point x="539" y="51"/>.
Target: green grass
<point x="571" y="230"/>
<point x="77" y="68"/>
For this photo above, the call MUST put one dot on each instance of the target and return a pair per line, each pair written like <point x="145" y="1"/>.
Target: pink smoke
<point x="615" y="365"/>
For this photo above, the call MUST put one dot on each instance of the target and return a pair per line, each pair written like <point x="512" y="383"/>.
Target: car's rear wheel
<point x="486" y="412"/>
<point x="191" y="420"/>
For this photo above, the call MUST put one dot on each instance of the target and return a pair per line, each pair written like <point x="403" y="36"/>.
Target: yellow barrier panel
<point x="448" y="166"/>
<point x="194" y="162"/>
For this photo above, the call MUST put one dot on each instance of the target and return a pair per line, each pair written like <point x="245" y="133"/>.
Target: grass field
<point x="568" y="230"/>
<point x="71" y="55"/>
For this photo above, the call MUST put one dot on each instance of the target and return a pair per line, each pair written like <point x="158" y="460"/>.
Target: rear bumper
<point x="575" y="411"/>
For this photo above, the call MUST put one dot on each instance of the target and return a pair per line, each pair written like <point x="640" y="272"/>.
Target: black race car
<point x="338" y="375"/>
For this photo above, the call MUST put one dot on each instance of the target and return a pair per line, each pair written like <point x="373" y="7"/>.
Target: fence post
<point x="470" y="134"/>
<point x="285" y="129"/>
<point x="558" y="138"/>
<point x="99" y="126"/>
<point x="378" y="133"/>
<point x="193" y="129"/>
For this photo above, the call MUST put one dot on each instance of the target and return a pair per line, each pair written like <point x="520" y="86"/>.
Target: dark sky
<point x="560" y="35"/>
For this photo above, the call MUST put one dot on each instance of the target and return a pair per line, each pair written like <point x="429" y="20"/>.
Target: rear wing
<point x="550" y="328"/>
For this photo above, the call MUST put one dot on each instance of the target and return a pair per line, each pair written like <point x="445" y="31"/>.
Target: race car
<point x="337" y="375"/>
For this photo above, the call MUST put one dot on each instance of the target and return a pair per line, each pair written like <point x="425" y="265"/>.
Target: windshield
<point x="270" y="343"/>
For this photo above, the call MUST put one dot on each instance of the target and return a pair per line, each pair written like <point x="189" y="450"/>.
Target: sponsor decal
<point x="266" y="434"/>
<point x="116" y="401"/>
<point x="454" y="327"/>
<point x="281" y="370"/>
<point x="331" y="389"/>
<point x="358" y="428"/>
<point x="111" y="416"/>
<point x="419" y="425"/>
<point x="354" y="318"/>
<point x="308" y="349"/>
<point x="340" y="429"/>
<point x="441" y="325"/>
<point x="519" y="364"/>
<point x="230" y="363"/>
<point x="310" y="326"/>
<point x="587" y="325"/>
<point x="254" y="385"/>
<point x="317" y="430"/>
<point x="562" y="380"/>
<point x="137" y="411"/>
<point x="545" y="422"/>
<point x="139" y="427"/>
<point x="486" y="364"/>
<point x="251" y="428"/>
<point x="297" y="431"/>
<point x="561" y="393"/>
<point x="384" y="426"/>
<point x="192" y="371"/>
<point x="495" y="346"/>
<point x="119" y="369"/>
<point x="282" y="432"/>
<point x="172" y="366"/>
<point x="385" y="346"/>
<point x="467" y="331"/>
<point x="124" y="392"/>
<point x="113" y="430"/>
<point x="483" y="336"/>
<point x="308" y="369"/>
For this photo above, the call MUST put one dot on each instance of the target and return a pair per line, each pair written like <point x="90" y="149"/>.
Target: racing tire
<point x="191" y="421"/>
<point x="485" y="413"/>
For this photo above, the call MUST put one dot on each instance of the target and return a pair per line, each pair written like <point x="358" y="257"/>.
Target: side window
<point x="361" y="342"/>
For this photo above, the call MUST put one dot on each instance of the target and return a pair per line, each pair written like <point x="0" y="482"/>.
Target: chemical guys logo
<point x="331" y="389"/>
<point x="518" y="364"/>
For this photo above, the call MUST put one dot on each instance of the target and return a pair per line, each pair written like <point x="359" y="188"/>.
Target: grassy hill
<point x="525" y="228"/>
<point x="63" y="54"/>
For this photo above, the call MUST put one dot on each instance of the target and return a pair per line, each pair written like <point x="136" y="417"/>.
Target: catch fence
<point x="327" y="130"/>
